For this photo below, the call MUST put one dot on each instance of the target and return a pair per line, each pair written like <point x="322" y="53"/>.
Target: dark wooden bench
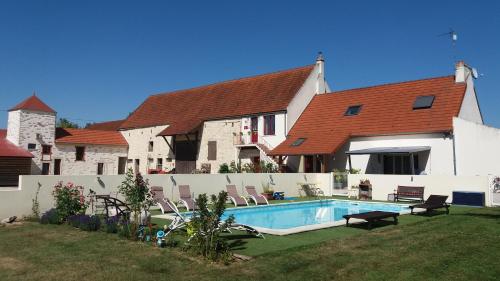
<point x="412" y="193"/>
<point x="371" y="217"/>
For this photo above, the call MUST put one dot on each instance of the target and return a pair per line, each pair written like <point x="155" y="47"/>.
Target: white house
<point x="429" y="126"/>
<point x="31" y="133"/>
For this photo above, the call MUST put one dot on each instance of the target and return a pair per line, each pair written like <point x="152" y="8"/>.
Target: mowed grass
<point x="464" y="245"/>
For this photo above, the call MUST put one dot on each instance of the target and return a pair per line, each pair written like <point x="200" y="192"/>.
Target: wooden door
<point x="45" y="168"/>
<point x="255" y="129"/>
<point x="308" y="164"/>
<point x="57" y="166"/>
<point x="122" y="163"/>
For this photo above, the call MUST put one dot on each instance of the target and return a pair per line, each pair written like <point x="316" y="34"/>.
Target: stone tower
<point x="32" y="125"/>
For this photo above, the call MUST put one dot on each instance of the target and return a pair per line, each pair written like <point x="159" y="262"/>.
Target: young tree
<point x="65" y="123"/>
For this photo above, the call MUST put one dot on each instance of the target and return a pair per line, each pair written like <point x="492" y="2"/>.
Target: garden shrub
<point x="51" y="217"/>
<point x="85" y="222"/>
<point x="69" y="200"/>
<point x="74" y="220"/>
<point x="223" y="168"/>
<point x="206" y="227"/>
<point x="112" y="224"/>
<point x="124" y="228"/>
<point x="90" y="223"/>
<point x="138" y="197"/>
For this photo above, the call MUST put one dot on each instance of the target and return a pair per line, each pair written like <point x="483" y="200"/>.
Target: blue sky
<point x="98" y="60"/>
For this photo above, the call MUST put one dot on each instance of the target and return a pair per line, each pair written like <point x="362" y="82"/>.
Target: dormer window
<point x="353" y="110"/>
<point x="423" y="102"/>
<point x="298" y="142"/>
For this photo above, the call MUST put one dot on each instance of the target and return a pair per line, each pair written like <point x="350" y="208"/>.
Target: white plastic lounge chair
<point x="232" y="194"/>
<point x="185" y="197"/>
<point x="159" y="199"/>
<point x="179" y="222"/>
<point x="258" y="199"/>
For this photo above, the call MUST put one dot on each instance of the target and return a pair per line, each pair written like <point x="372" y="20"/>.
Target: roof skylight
<point x="423" y="102"/>
<point x="353" y="110"/>
<point x="298" y="142"/>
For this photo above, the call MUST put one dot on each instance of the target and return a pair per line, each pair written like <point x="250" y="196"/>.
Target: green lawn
<point x="464" y="245"/>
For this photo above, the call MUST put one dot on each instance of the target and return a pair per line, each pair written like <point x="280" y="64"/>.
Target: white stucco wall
<point x="18" y="201"/>
<point x="382" y="185"/>
<point x="315" y="84"/>
<point x="94" y="154"/>
<point x="470" y="108"/>
<point x="271" y="141"/>
<point x="220" y="131"/>
<point x="13" y="126"/>
<point x="477" y="148"/>
<point x="439" y="162"/>
<point x="138" y="141"/>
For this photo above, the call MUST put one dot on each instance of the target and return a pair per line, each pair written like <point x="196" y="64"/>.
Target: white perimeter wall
<point x="382" y="185"/>
<point x="477" y="148"/>
<point x="19" y="201"/>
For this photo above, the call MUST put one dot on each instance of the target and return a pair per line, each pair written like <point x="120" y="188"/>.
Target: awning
<point x="389" y="150"/>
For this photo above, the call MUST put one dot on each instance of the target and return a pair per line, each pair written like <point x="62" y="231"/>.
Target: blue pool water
<point x="285" y="216"/>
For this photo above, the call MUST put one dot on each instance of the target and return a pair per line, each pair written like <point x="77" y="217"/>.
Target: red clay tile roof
<point x="85" y="136"/>
<point x="386" y="110"/>
<point x="33" y="103"/>
<point x="106" y="126"/>
<point x="8" y="149"/>
<point x="185" y="109"/>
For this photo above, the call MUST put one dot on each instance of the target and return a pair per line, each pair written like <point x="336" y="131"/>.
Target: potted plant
<point x="268" y="191"/>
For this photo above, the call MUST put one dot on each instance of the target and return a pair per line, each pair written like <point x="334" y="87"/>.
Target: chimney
<point x="320" y="80"/>
<point x="320" y="61"/>
<point x="462" y="72"/>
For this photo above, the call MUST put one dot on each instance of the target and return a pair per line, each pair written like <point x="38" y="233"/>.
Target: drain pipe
<point x="454" y="154"/>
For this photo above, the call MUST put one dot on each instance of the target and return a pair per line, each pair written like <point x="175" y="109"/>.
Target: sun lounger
<point x="180" y="222"/>
<point x="258" y="199"/>
<point x="185" y="197"/>
<point x="232" y="194"/>
<point x="371" y="217"/>
<point x="432" y="203"/>
<point x="160" y="200"/>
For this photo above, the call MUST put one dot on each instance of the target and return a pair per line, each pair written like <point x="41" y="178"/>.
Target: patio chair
<point x="161" y="201"/>
<point x="258" y="199"/>
<point x="186" y="199"/>
<point x="114" y="207"/>
<point x="232" y="194"/>
<point x="432" y="203"/>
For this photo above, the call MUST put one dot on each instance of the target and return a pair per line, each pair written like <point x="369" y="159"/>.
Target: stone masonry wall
<point x="220" y="131"/>
<point x="138" y="141"/>
<point x="94" y="154"/>
<point x="33" y="127"/>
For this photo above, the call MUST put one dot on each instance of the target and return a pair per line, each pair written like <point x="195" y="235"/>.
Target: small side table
<point x="391" y="197"/>
<point x="353" y="192"/>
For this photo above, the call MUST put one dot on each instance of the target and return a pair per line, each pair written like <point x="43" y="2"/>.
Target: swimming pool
<point x="282" y="219"/>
